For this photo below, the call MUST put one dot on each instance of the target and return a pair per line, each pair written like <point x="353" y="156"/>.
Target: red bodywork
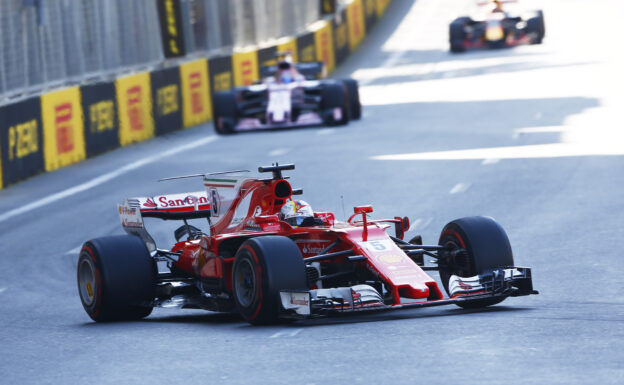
<point x="252" y="210"/>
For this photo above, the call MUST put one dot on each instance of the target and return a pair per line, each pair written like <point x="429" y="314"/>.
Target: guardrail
<point x="58" y="128"/>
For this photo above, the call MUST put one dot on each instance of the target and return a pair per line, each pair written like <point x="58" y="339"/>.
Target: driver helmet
<point x="295" y="212"/>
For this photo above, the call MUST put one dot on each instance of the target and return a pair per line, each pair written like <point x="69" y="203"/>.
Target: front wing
<point x="497" y="283"/>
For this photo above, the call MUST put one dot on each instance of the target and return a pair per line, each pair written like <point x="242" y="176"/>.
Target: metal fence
<point x="47" y="43"/>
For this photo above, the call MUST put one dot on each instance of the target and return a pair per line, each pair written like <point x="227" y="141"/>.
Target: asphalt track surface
<point x="531" y="136"/>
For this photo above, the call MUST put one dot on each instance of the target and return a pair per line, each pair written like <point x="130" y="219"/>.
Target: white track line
<point x="286" y="333"/>
<point x="103" y="178"/>
<point x="459" y="188"/>
<point x="279" y="152"/>
<point x="490" y="161"/>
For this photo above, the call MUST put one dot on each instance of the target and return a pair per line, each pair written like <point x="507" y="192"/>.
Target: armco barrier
<point x="100" y="111"/>
<point x="196" y="100"/>
<point x="166" y="100"/>
<point x="63" y="127"/>
<point x="21" y="140"/>
<point x="134" y="102"/>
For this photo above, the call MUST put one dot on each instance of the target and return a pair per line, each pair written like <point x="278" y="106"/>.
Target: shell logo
<point x="390" y="258"/>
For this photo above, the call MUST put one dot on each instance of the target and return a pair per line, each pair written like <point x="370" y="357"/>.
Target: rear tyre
<point x="457" y="34"/>
<point x="353" y="95"/>
<point x="487" y="247"/>
<point x="224" y="112"/>
<point x="116" y="278"/>
<point x="333" y="96"/>
<point x="262" y="267"/>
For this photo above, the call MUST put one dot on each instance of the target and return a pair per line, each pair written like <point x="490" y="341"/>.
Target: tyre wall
<point x="66" y="126"/>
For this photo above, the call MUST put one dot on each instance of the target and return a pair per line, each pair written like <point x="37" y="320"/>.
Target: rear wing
<point x="168" y="207"/>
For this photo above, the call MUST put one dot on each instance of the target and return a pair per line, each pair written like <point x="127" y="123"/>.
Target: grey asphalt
<point x="542" y="129"/>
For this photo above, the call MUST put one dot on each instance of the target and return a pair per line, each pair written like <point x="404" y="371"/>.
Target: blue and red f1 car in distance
<point x="254" y="262"/>
<point x="496" y="28"/>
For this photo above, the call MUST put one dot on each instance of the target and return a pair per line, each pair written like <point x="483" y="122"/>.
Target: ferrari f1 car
<point x="268" y="269"/>
<point x="290" y="96"/>
<point x="496" y="28"/>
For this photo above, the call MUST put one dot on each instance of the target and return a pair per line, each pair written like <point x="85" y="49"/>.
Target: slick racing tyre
<point x="334" y="95"/>
<point x="224" y="112"/>
<point x="116" y="278"/>
<point x="486" y="245"/>
<point x="353" y="95"/>
<point x="262" y="267"/>
<point x="457" y="34"/>
<point x="536" y="25"/>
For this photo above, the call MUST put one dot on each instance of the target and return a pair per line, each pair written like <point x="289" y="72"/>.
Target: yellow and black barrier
<point x="66" y="126"/>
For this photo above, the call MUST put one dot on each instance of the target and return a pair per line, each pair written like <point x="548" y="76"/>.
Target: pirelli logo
<point x="64" y="128"/>
<point x="167" y="101"/>
<point x="135" y="110"/>
<point x="101" y="116"/>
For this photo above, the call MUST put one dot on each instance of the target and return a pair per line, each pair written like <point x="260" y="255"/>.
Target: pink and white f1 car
<point x="289" y="96"/>
<point x="495" y="27"/>
<point x="258" y="260"/>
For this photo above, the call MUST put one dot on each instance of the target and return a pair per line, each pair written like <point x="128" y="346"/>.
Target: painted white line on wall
<point x="279" y="151"/>
<point x="286" y="333"/>
<point x="103" y="178"/>
<point x="459" y="188"/>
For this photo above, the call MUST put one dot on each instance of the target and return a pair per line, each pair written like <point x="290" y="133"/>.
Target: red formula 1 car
<point x="260" y="263"/>
<point x="290" y="96"/>
<point x="496" y="28"/>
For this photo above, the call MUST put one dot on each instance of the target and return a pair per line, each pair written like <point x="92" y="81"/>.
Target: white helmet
<point x="295" y="212"/>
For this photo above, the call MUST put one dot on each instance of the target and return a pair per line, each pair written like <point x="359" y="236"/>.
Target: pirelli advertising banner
<point x="21" y="141"/>
<point x="324" y="43"/>
<point x="134" y="108"/>
<point x="221" y="73"/>
<point x="356" y="23"/>
<point x="245" y="66"/>
<point x="100" y="114"/>
<point x="167" y="100"/>
<point x="63" y="128"/>
<point x="306" y="49"/>
<point x="196" y="99"/>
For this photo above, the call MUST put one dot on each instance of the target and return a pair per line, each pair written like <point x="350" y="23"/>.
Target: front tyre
<point x="264" y="266"/>
<point x="486" y="247"/>
<point x="116" y="278"/>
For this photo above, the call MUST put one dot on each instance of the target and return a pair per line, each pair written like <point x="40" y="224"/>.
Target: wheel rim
<point x="245" y="283"/>
<point x="86" y="281"/>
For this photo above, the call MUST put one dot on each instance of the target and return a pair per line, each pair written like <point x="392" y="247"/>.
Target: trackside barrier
<point x="196" y="100"/>
<point x="134" y="102"/>
<point x="63" y="127"/>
